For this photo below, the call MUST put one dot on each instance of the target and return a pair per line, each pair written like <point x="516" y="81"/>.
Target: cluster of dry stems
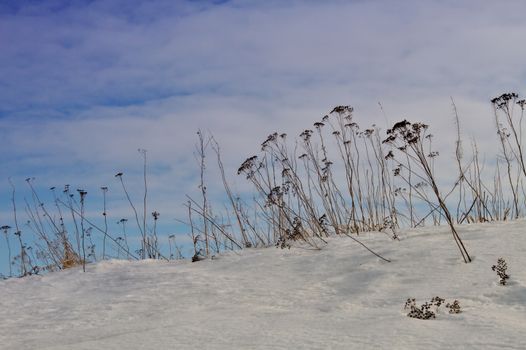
<point x="334" y="179"/>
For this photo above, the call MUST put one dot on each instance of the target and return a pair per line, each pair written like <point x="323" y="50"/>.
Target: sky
<point x="85" y="84"/>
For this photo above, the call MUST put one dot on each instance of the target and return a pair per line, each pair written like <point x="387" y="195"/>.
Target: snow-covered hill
<point x="341" y="297"/>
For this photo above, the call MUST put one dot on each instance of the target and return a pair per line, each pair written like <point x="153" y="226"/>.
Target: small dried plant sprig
<point x="500" y="269"/>
<point x="104" y="190"/>
<point x="429" y="309"/>
<point x="422" y="313"/>
<point x="510" y="130"/>
<point x="454" y="308"/>
<point x="6" y="228"/>
<point x="82" y="195"/>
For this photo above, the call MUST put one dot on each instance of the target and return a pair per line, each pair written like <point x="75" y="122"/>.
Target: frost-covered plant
<point x="501" y="268"/>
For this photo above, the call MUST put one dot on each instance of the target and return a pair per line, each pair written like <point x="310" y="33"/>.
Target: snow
<point x="340" y="297"/>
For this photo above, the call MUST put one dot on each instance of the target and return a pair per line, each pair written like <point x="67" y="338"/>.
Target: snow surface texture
<point x="341" y="297"/>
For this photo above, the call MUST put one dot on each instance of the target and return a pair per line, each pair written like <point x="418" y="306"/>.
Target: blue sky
<point x="84" y="84"/>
